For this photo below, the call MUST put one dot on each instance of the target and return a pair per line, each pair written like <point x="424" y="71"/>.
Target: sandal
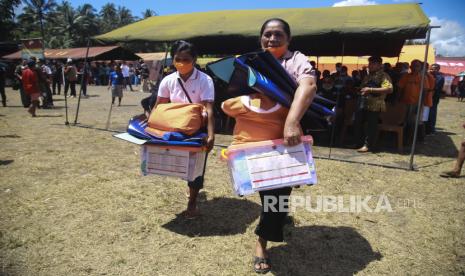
<point x="452" y="174"/>
<point x="191" y="214"/>
<point x="259" y="261"/>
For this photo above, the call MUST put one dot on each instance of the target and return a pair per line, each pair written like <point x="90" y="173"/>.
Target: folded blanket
<point x="137" y="125"/>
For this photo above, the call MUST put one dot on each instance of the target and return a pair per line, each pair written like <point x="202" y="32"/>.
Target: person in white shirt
<point x="45" y="78"/>
<point x="189" y="84"/>
<point x="125" y="71"/>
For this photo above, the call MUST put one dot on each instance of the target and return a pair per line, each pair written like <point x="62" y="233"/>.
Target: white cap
<point x="69" y="60"/>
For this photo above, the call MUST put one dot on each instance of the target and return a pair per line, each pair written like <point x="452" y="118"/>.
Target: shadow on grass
<point x="10" y="136"/>
<point x="56" y="107"/>
<point x="322" y="250"/>
<point x="126" y="105"/>
<point x="439" y="144"/>
<point x="72" y="100"/>
<point x="220" y="217"/>
<point x="16" y="106"/>
<point x="72" y="124"/>
<point x="48" y="116"/>
<point x="5" y="162"/>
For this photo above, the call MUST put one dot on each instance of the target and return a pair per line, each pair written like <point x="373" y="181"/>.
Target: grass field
<point x="72" y="202"/>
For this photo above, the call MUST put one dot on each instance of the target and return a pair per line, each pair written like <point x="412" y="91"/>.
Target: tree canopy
<point x="65" y="26"/>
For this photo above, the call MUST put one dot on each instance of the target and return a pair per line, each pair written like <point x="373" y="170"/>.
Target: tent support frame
<point x="333" y="128"/>
<point x="64" y="93"/>
<point x="83" y="79"/>
<point x="420" y="100"/>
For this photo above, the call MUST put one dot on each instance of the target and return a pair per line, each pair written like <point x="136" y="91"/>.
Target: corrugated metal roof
<point x="451" y="65"/>
<point x="74" y="53"/>
<point x="152" y="56"/>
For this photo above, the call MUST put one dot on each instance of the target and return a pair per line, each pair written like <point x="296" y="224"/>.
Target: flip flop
<point x="259" y="261"/>
<point x="451" y="174"/>
<point x="191" y="214"/>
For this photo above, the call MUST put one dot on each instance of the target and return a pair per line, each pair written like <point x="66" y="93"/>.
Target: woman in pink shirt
<point x="275" y="36"/>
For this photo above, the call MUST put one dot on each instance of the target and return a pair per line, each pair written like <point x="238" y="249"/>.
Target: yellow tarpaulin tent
<point x="357" y="30"/>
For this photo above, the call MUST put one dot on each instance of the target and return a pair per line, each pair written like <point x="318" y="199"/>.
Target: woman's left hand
<point x="292" y="134"/>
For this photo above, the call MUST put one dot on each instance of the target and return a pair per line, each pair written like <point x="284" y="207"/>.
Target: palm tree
<point x="72" y="27"/>
<point x="148" y="13"/>
<point x="61" y="41"/>
<point x="88" y="24"/>
<point x="7" y="22"/>
<point x="125" y="16"/>
<point x="41" y="8"/>
<point x="109" y="17"/>
<point x="27" y="22"/>
<point x="68" y="18"/>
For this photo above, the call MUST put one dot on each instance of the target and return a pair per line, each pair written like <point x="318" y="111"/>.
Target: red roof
<point x="451" y="65"/>
<point x="74" y="53"/>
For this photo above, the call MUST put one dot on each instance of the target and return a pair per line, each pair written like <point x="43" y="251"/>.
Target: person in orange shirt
<point x="427" y="101"/>
<point x="31" y="86"/>
<point x="409" y="85"/>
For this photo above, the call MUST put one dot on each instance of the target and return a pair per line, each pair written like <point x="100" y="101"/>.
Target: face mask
<point x="183" y="68"/>
<point x="277" y="52"/>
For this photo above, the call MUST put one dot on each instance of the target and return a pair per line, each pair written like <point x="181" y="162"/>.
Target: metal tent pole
<point x="65" y="92"/>
<point x="333" y="128"/>
<point x="420" y="100"/>
<point x="83" y="79"/>
<point x="163" y="66"/>
<point x="167" y="48"/>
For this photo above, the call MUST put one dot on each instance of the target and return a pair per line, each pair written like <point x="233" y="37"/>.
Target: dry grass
<point x="73" y="203"/>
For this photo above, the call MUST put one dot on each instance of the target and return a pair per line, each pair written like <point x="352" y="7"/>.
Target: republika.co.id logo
<point x="335" y="204"/>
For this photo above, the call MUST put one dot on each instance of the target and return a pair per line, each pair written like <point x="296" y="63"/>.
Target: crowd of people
<point x="134" y="73"/>
<point x="375" y="87"/>
<point x="45" y="78"/>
